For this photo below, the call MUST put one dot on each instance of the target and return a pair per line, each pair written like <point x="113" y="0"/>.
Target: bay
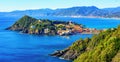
<point x="19" y="47"/>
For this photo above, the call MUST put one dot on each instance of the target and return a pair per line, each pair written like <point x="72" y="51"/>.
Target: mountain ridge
<point x="72" y="11"/>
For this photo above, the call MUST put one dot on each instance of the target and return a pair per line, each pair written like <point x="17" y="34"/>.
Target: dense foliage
<point x="31" y="25"/>
<point x="104" y="47"/>
<point x="22" y="23"/>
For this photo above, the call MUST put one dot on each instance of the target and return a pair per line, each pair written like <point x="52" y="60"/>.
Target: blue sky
<point x="10" y="5"/>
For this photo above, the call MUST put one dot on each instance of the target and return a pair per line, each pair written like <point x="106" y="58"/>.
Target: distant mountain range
<point x="83" y="11"/>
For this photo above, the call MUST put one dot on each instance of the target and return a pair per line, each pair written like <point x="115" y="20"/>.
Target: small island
<point x="32" y="25"/>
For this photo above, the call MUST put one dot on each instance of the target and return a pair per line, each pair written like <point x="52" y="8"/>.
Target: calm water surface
<point x="19" y="47"/>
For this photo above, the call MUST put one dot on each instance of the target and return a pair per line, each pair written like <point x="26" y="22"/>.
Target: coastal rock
<point x="66" y="54"/>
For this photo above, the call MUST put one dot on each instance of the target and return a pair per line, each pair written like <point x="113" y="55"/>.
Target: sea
<point x="21" y="47"/>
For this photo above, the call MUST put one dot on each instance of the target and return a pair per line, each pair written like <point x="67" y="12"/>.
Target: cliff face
<point x="74" y="50"/>
<point x="67" y="54"/>
<point x="103" y="47"/>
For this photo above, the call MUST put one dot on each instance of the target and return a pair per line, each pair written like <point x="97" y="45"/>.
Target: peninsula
<point x="32" y="25"/>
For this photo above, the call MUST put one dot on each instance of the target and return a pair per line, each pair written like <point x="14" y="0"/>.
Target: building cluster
<point x="73" y="29"/>
<point x="69" y="29"/>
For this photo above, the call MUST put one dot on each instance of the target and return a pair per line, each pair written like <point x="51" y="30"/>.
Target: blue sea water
<point x="19" y="47"/>
<point x="98" y="23"/>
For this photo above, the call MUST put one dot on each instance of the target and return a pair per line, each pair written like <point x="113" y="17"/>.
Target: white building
<point x="32" y="26"/>
<point x="46" y="30"/>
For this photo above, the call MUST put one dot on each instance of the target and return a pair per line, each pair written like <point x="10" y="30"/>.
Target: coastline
<point x="116" y="18"/>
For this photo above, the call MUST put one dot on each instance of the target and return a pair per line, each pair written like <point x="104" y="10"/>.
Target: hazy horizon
<point x="55" y="8"/>
<point x="11" y="5"/>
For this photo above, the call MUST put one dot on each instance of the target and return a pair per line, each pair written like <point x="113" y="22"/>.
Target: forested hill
<point x="83" y="11"/>
<point x="104" y="47"/>
<point x="31" y="25"/>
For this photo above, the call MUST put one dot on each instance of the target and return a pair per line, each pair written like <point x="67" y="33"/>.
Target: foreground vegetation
<point x="104" y="47"/>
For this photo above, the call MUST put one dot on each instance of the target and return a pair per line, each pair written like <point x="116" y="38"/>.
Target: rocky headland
<point x="31" y="25"/>
<point x="103" y="47"/>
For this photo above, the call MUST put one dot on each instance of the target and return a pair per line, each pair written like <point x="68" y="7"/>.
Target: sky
<point x="11" y="5"/>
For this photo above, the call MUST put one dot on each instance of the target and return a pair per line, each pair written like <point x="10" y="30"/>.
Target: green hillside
<point x="30" y="25"/>
<point x="104" y="47"/>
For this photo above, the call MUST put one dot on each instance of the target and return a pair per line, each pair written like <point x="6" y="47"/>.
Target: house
<point x="78" y="28"/>
<point x="64" y="32"/>
<point x="32" y="27"/>
<point x="70" y="23"/>
<point x="39" y="21"/>
<point x="46" y="30"/>
<point x="87" y="30"/>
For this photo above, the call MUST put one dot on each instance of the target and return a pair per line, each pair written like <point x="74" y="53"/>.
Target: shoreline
<point x="116" y="18"/>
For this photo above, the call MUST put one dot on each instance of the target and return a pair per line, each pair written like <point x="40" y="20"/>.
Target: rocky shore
<point x="103" y="47"/>
<point x="66" y="54"/>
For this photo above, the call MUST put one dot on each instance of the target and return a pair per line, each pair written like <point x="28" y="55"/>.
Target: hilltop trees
<point x="104" y="47"/>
